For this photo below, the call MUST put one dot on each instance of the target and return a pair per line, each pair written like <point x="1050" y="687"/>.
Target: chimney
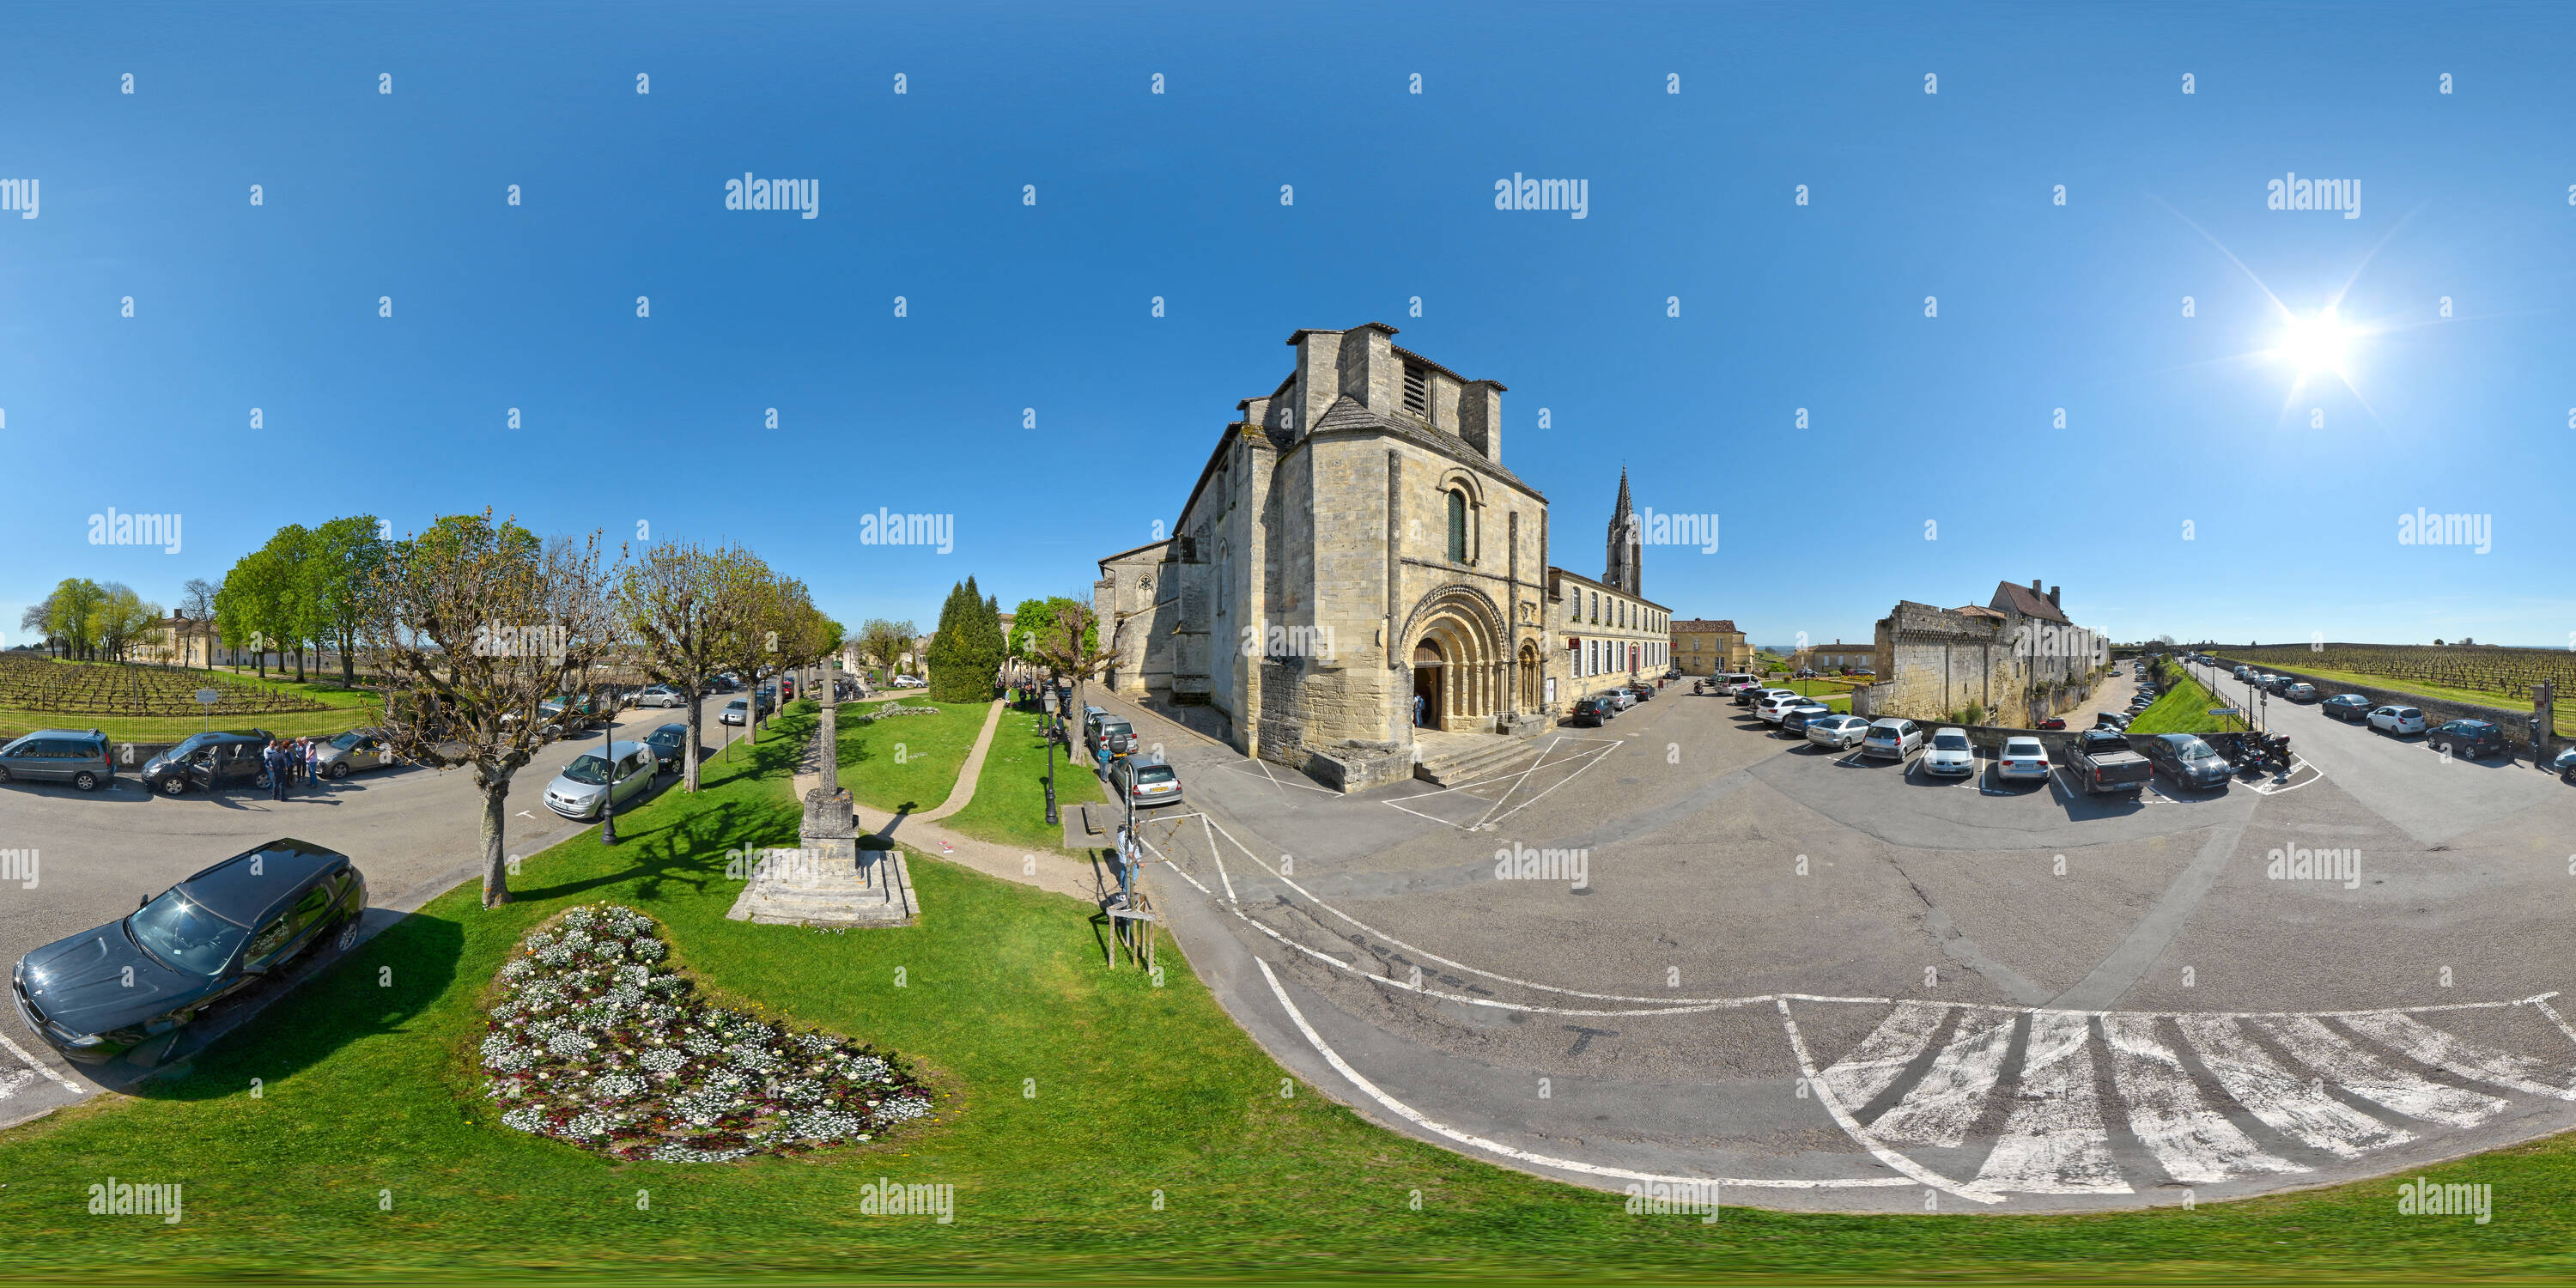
<point x="1480" y="418"/>
<point x="2034" y="585"/>
<point x="1319" y="377"/>
<point x="2052" y="598"/>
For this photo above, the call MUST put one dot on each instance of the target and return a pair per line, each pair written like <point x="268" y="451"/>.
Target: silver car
<point x="352" y="751"/>
<point x="2022" y="758"/>
<point x="1951" y="753"/>
<point x="661" y="695"/>
<point x="583" y="786"/>
<point x="1838" y="732"/>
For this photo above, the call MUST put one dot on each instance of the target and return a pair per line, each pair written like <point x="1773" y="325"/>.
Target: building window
<point x="1596" y="606"/>
<point x="1417" y="394"/>
<point x="1457" y="527"/>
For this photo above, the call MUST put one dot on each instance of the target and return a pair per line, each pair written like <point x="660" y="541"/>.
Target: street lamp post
<point x="607" y="803"/>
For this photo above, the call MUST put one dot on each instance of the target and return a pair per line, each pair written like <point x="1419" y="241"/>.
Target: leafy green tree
<point x="680" y="612"/>
<point x="120" y="618"/>
<point x="341" y="558"/>
<point x="968" y="648"/>
<point x="72" y="615"/>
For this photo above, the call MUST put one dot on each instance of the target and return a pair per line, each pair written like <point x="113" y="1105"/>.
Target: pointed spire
<point x="1623" y="490"/>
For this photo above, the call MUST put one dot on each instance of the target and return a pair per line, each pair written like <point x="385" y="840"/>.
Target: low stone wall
<point x="1355" y="767"/>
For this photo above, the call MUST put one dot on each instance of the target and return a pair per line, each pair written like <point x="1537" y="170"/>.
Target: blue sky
<point x="1949" y="420"/>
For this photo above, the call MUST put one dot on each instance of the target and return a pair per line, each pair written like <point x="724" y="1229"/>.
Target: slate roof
<point x="2027" y="602"/>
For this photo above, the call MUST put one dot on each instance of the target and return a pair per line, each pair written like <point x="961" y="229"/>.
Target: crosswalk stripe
<point x="2468" y="1059"/>
<point x="2284" y="1102"/>
<point x="1946" y="1101"/>
<point x="2054" y="1142"/>
<point x="2194" y="1143"/>
<point x="1882" y="1057"/>
<point x="2371" y="1078"/>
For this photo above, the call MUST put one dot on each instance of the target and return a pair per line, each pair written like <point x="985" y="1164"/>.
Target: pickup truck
<point x="2101" y="761"/>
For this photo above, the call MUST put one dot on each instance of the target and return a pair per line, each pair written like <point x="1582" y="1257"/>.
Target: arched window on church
<point x="1457" y="527"/>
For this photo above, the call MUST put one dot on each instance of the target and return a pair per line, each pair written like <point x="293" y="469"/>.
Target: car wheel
<point x="85" y="780"/>
<point x="348" y="931"/>
<point x="175" y="785"/>
<point x="339" y="769"/>
<point x="4" y="773"/>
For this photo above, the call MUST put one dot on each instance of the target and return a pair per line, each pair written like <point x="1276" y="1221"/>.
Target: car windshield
<point x="589" y="769"/>
<point x="174" y="929"/>
<point x="2409" y="713"/>
<point x="2473" y="726"/>
<point x="665" y="738"/>
<point x="2196" y="750"/>
<point x="189" y="747"/>
<point x="2021" y="747"/>
<point x="736" y="705"/>
<point x="1949" y="742"/>
<point x="345" y="741"/>
<point x="1154" y="774"/>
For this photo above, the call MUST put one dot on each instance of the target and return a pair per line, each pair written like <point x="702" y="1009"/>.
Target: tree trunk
<point x="496" y="821"/>
<point x="348" y="664"/>
<point x="299" y="662"/>
<point x="689" y="754"/>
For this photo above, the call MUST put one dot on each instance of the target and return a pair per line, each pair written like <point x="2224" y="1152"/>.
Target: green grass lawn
<point x="350" y="708"/>
<point x="906" y="761"/>
<point x="1010" y="795"/>
<point x="1831" y="693"/>
<point x="1095" y="1126"/>
<point x="2184" y="708"/>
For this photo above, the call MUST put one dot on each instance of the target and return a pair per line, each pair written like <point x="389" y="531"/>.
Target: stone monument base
<point x="828" y="880"/>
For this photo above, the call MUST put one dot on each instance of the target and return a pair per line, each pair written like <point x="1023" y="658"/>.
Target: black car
<point x="668" y="742"/>
<point x="2347" y="706"/>
<point x="216" y="935"/>
<point x="207" y="761"/>
<point x="2468" y="739"/>
<point x="2187" y="760"/>
<point x="1593" y="712"/>
<point x="1794" y="720"/>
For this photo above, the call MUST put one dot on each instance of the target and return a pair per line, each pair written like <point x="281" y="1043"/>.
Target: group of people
<point x="287" y="759"/>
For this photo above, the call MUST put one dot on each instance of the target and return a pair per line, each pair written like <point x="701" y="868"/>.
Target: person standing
<point x="312" y="762"/>
<point x="273" y="759"/>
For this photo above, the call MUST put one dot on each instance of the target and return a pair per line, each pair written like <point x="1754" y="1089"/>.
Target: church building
<point x="1356" y="575"/>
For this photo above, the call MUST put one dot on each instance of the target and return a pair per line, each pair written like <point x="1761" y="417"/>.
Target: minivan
<point x="1892" y="739"/>
<point x="75" y="756"/>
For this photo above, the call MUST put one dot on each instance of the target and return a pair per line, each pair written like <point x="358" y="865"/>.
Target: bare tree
<point x="474" y="625"/>
<point x="197" y="600"/>
<point x="1071" y="645"/>
<point x="677" y="606"/>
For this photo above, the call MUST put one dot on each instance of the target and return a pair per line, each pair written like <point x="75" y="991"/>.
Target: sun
<point x="2315" y="343"/>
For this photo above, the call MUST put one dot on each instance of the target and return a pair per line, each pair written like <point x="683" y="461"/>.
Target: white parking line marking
<point x="2053" y="1142"/>
<point x="1843" y="1118"/>
<point x="39" y="1066"/>
<point x="2297" y="1109"/>
<point x="2194" y="1143"/>
<point x="2371" y="1078"/>
<point x="2468" y="1059"/>
<point x="1409" y="1114"/>
<point x="1947" y="1101"/>
<point x="1204" y="822"/>
<point x="1883" y="1056"/>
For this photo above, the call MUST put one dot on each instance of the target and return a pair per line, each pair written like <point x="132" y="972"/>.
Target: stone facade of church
<point x="1354" y="552"/>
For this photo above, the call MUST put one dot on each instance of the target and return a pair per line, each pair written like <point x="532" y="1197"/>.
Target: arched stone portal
<point x="1459" y="662"/>
<point x="1529" y="677"/>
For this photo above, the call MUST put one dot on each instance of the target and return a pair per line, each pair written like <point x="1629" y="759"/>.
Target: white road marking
<point x="1409" y="1114"/>
<point x="42" y="1068"/>
<point x="2468" y="1059"/>
<point x="2371" y="1078"/>
<point x="2285" y="1103"/>
<point x="2053" y="1141"/>
<point x="1842" y="1117"/>
<point x="1950" y="1096"/>
<point x="1882" y="1057"/>
<point x="17" y="1078"/>
<point x="1205" y="822"/>
<point x="2194" y="1143"/>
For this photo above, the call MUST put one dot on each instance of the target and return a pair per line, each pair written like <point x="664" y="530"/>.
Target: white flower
<point x="902" y="1109"/>
<point x="525" y="1118"/>
<point x="662" y="1061"/>
<point x="568" y="1045"/>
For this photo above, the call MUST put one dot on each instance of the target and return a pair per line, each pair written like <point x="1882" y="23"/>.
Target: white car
<point x="907" y="682"/>
<point x="1951" y="753"/>
<point x="1892" y="739"/>
<point x="661" y="695"/>
<point x="1837" y="732"/>
<point x="2022" y="758"/>
<point x="1778" y="704"/>
<point x="2397" y="720"/>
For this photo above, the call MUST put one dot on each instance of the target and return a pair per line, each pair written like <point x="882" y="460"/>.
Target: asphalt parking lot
<point x="1970" y="968"/>
<point x="414" y="833"/>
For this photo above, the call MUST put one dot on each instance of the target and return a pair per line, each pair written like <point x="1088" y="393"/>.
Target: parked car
<point x="2022" y="758"/>
<point x="660" y="695"/>
<point x="1644" y="692"/>
<point x="2101" y="760"/>
<point x="1951" y="754"/>
<point x="1111" y="731"/>
<point x="76" y="756"/>
<point x="1621" y="697"/>
<point x="2110" y="720"/>
<point x="1748" y="694"/>
<point x="2397" y="720"/>
<point x="1778" y="703"/>
<point x="206" y="761"/>
<point x="669" y="743"/>
<point x="1796" y="719"/>
<point x="1149" y="783"/>
<point x="2187" y="760"/>
<point x="736" y="712"/>
<point x="1591" y="712"/>
<point x="1892" y="739"/>
<point x="219" y="934"/>
<point x="2347" y="706"/>
<point x="1837" y="732"/>
<point x="2301" y="691"/>
<point x="2469" y="739"/>
<point x="2053" y="722"/>
<point x="2565" y="764"/>
<point x="587" y="784"/>
<point x="570" y="711"/>
<point x="1731" y="681"/>
<point x="907" y="682"/>
<point x="352" y="751"/>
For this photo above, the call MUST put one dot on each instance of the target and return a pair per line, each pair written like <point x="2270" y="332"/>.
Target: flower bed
<point x="897" y="709"/>
<point x="593" y="1041"/>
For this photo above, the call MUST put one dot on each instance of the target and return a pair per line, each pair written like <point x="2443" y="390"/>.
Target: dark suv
<point x="1592" y="712"/>
<point x="208" y="761"/>
<point x="2467" y="739"/>
<point x="2188" y="761"/>
<point x="75" y="756"/>
<point x="225" y="931"/>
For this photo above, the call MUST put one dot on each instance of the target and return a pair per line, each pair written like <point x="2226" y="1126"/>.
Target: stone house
<point x="2018" y="657"/>
<point x="1703" y="647"/>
